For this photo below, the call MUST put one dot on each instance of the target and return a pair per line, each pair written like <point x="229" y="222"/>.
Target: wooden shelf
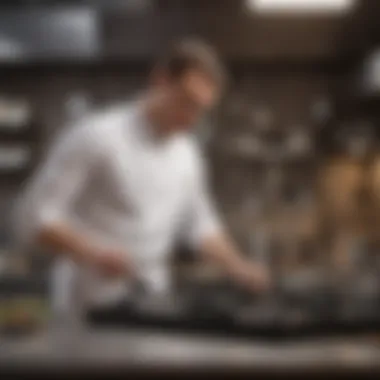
<point x="22" y="132"/>
<point x="251" y="157"/>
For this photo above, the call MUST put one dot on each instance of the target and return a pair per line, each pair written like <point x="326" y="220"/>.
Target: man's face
<point x="187" y="99"/>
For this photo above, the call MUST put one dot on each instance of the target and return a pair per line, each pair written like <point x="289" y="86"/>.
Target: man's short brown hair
<point x="190" y="54"/>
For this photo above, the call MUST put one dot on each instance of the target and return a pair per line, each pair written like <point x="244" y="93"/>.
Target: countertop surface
<point x="133" y="350"/>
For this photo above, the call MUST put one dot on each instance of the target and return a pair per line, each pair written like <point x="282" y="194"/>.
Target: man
<point x="121" y="187"/>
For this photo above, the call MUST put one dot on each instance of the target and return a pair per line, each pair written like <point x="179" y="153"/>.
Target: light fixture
<point x="300" y="6"/>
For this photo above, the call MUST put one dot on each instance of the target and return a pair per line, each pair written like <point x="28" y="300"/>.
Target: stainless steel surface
<point x="130" y="349"/>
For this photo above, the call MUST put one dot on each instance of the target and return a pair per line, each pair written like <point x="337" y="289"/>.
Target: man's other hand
<point x="252" y="276"/>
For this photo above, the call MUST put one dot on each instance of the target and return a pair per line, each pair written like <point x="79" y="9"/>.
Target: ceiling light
<point x="301" y="6"/>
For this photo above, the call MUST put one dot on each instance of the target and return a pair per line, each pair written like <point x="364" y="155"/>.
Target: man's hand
<point x="222" y="251"/>
<point x="253" y="277"/>
<point x="111" y="263"/>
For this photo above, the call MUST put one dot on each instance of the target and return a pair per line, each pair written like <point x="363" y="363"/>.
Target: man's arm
<point x="47" y="221"/>
<point x="209" y="237"/>
<point x="224" y="252"/>
<point x="64" y="239"/>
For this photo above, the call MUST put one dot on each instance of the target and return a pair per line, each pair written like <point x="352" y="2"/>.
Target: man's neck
<point x="152" y="112"/>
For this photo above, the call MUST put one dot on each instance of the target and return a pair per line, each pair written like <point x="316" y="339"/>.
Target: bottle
<point x="67" y="294"/>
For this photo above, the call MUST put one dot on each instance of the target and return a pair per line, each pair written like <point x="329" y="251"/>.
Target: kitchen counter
<point x="114" y="352"/>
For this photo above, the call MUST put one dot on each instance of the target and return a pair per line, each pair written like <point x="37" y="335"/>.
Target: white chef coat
<point x="123" y="187"/>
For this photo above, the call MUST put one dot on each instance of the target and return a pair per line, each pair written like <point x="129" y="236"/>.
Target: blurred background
<point x="293" y="148"/>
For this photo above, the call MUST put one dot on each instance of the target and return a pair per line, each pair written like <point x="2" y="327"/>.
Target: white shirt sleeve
<point x="50" y="195"/>
<point x="204" y="218"/>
